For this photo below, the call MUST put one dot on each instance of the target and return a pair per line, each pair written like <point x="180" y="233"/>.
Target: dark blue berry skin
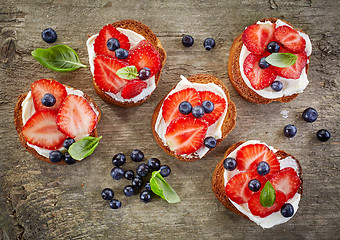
<point x="128" y="191"/>
<point x="137" y="155"/>
<point x="209" y="44"/>
<point x="254" y="185"/>
<point x="148" y="187"/>
<point x="68" y="142"/>
<point x="310" y="115"/>
<point x="49" y="35"/>
<point x="263" y="168"/>
<point x="263" y="64"/>
<point x="143" y="170"/>
<point x="117" y="173"/>
<point x="154" y="164"/>
<point x="145" y="196"/>
<point x="113" y="44"/>
<point x="129" y="174"/>
<point x="323" y="135"/>
<point x="48" y="100"/>
<point x="115" y="204"/>
<point x="187" y="41"/>
<point x="121" y="53"/>
<point x="198" y="111"/>
<point x="107" y="194"/>
<point x="68" y="159"/>
<point x="208" y="106"/>
<point x="144" y="73"/>
<point x="185" y="107"/>
<point x="165" y="170"/>
<point x="118" y="159"/>
<point x="230" y="164"/>
<point x="137" y="182"/>
<point x="287" y="210"/>
<point x="56" y="156"/>
<point x="289" y="131"/>
<point x="273" y="47"/>
<point x="210" y="142"/>
<point x="277" y="86"/>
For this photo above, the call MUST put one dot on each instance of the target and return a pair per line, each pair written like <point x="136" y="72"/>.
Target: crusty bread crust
<point x="146" y="32"/>
<point x="228" y="122"/>
<point x="237" y="80"/>
<point x="218" y="178"/>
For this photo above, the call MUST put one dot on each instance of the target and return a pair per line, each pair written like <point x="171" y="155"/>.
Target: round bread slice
<point x="218" y="178"/>
<point x="228" y="122"/>
<point x="146" y="32"/>
<point x="19" y="125"/>
<point x="237" y="80"/>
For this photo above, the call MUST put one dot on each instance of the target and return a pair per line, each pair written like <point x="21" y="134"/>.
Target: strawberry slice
<point x="76" y="117"/>
<point x="105" y="76"/>
<point x="290" y="39"/>
<point x="258" y="78"/>
<point x="257" y="209"/>
<point x="133" y="88"/>
<point x="249" y="156"/>
<point x="41" y="130"/>
<point x="219" y="106"/>
<point x="40" y="87"/>
<point x="145" y="55"/>
<point x="286" y="181"/>
<point x="185" y="135"/>
<point x="256" y="37"/>
<point x="105" y="34"/>
<point x="170" y="106"/>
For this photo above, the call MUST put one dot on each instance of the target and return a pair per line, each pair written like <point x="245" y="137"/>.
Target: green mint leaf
<point x="129" y="72"/>
<point x="161" y="188"/>
<point x="83" y="148"/>
<point x="59" y="58"/>
<point x="267" y="196"/>
<point x="281" y="60"/>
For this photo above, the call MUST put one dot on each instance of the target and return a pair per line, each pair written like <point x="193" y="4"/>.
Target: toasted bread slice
<point x="228" y="123"/>
<point x="146" y="32"/>
<point x="237" y="80"/>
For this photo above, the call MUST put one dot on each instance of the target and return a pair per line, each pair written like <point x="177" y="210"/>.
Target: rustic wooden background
<point x="43" y="201"/>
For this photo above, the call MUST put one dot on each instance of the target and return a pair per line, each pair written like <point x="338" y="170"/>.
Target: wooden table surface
<point x="43" y="201"/>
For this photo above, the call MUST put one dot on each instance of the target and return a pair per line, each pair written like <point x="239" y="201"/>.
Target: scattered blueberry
<point x="117" y="173"/>
<point x="289" y="130"/>
<point x="154" y="164"/>
<point x="137" y="155"/>
<point x="137" y="182"/>
<point x="263" y="168"/>
<point x="210" y="142"/>
<point x="310" y="114"/>
<point x="287" y="210"/>
<point x="49" y="35"/>
<point x="165" y="170"/>
<point x="147" y="186"/>
<point x="263" y="64"/>
<point x="56" y="156"/>
<point x="209" y="44"/>
<point x="107" y="194"/>
<point x="121" y="53"/>
<point x="115" y="204"/>
<point x="128" y="191"/>
<point x="185" y="107"/>
<point x="277" y="86"/>
<point x="273" y="47"/>
<point x="113" y="44"/>
<point x="48" y="100"/>
<point x="144" y="73"/>
<point x="187" y="41"/>
<point x="323" y="135"/>
<point x="254" y="185"/>
<point x="198" y="111"/>
<point x="145" y="196"/>
<point x="118" y="159"/>
<point x="68" y="159"/>
<point x="229" y="164"/>
<point x="129" y="174"/>
<point x="143" y="170"/>
<point x="68" y="142"/>
<point x="208" y="106"/>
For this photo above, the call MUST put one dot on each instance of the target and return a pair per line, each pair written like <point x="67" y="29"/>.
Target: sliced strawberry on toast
<point x="40" y="87"/>
<point x="290" y="39"/>
<point x="286" y="181"/>
<point x="219" y="106"/>
<point x="294" y="71"/>
<point x="41" y="130"/>
<point x="76" y="117"/>
<point x="185" y="135"/>
<point x="256" y="37"/>
<point x="257" y="209"/>
<point x="133" y="88"/>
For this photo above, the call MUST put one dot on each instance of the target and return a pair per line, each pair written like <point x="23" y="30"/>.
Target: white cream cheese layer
<point x="134" y="39"/>
<point x="276" y="217"/>
<point x="214" y="130"/>
<point x="290" y="86"/>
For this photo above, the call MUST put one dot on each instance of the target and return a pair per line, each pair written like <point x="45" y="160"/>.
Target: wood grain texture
<point x="43" y="201"/>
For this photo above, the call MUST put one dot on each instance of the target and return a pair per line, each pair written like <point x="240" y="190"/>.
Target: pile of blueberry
<point x="56" y="156"/>
<point x="188" y="41"/>
<point x="137" y="179"/>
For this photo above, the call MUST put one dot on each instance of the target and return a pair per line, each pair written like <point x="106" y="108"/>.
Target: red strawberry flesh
<point x="256" y="37"/>
<point x="290" y="39"/>
<point x="257" y="209"/>
<point x="237" y="188"/>
<point x="286" y="181"/>
<point x="219" y="106"/>
<point x="133" y="88"/>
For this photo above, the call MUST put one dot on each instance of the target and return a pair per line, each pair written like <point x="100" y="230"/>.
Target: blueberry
<point x="277" y="86"/>
<point x="289" y="130"/>
<point x="187" y="41"/>
<point x="68" y="159"/>
<point x="209" y="44"/>
<point x="144" y="73"/>
<point x="254" y="185"/>
<point x="68" y="142"/>
<point x="117" y="173"/>
<point x="273" y="47"/>
<point x="145" y="196"/>
<point x="229" y="164"/>
<point x="287" y="210"/>
<point x="165" y="170"/>
<point x="118" y="159"/>
<point x="128" y="191"/>
<point x="263" y="168"/>
<point x="198" y="111"/>
<point x="129" y="174"/>
<point x="137" y="182"/>
<point x="137" y="155"/>
<point x="147" y="186"/>
<point x="49" y="35"/>
<point x="323" y="135"/>
<point x="185" y="107"/>
<point x="113" y="44"/>
<point x="263" y="64"/>
<point x="208" y="106"/>
<point x="154" y="164"/>
<point x="143" y="170"/>
<point x="210" y="142"/>
<point x="48" y="100"/>
<point x="55" y="156"/>
<point x="121" y="53"/>
<point x="107" y="194"/>
<point x="115" y="204"/>
<point x="310" y="115"/>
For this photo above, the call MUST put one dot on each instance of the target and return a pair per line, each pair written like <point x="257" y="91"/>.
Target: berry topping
<point x="273" y="47"/>
<point x="113" y="44"/>
<point x="219" y="105"/>
<point x="198" y="111"/>
<point x="310" y="115"/>
<point x="144" y="73"/>
<point x="254" y="185"/>
<point x="147" y="186"/>
<point x="137" y="155"/>
<point x="145" y="196"/>
<point x="143" y="170"/>
<point x="208" y="106"/>
<point x="237" y="188"/>
<point x="289" y="131"/>
<point x="230" y="164"/>
<point x="118" y="159"/>
<point x="117" y="173"/>
<point x="154" y="164"/>
<point x="49" y="35"/>
<point x="294" y="71"/>
<point x="277" y="86"/>
<point x="286" y="181"/>
<point x="263" y="64"/>
<point x="68" y="142"/>
<point x="323" y="135"/>
<point x="133" y="88"/>
<point x="257" y="209"/>
<point x="68" y="159"/>
<point x="115" y="204"/>
<point x="129" y="174"/>
<point x="121" y="53"/>
<point x="287" y="210"/>
<point x="55" y="156"/>
<point x="107" y="194"/>
<point x="165" y="170"/>
<point x="210" y="142"/>
<point x="128" y="191"/>
<point x="136" y="182"/>
<point x="48" y="100"/>
<point x="263" y="168"/>
<point x="209" y="43"/>
<point x="187" y="41"/>
<point x="185" y="108"/>
<point x="290" y="39"/>
<point x="256" y="37"/>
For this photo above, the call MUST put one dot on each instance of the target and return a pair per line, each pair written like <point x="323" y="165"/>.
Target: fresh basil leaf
<point x="129" y="72"/>
<point x="59" y="58"/>
<point x="281" y="60"/>
<point x="161" y="188"/>
<point x="83" y="148"/>
<point x="267" y="196"/>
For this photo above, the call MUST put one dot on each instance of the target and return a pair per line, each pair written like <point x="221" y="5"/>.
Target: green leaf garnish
<point x="267" y="196"/>
<point x="83" y="148"/>
<point x="161" y="188"/>
<point x="281" y="60"/>
<point x="129" y="72"/>
<point x="59" y="58"/>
